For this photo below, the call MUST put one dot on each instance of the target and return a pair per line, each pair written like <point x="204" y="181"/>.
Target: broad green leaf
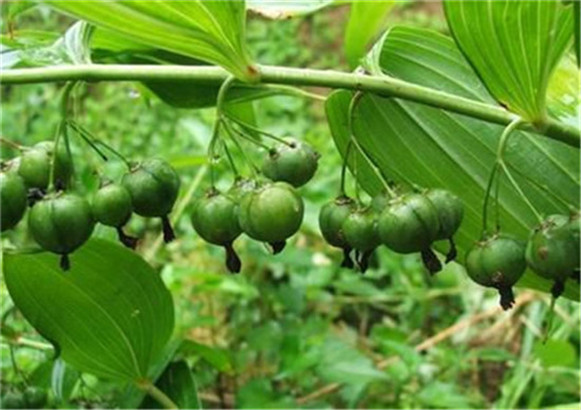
<point x="284" y="9"/>
<point x="215" y="356"/>
<point x="110" y="47"/>
<point x="563" y="97"/>
<point x="514" y="47"/>
<point x="365" y="22"/>
<point x="577" y="16"/>
<point x="212" y="31"/>
<point x="177" y="381"/>
<point x="412" y="143"/>
<point x="555" y="353"/>
<point x="110" y="315"/>
<point x="30" y="48"/>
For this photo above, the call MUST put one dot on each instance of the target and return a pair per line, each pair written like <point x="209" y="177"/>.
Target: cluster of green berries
<point x="268" y="210"/>
<point x="60" y="220"/>
<point x="552" y="252"/>
<point x="406" y="223"/>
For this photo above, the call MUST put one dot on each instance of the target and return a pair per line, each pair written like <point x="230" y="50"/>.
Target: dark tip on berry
<point x="129" y="241"/>
<point x="59" y="185"/>
<point x="431" y="261"/>
<point x="506" y="297"/>
<point x="347" y="261"/>
<point x="557" y="289"/>
<point x="277" y="247"/>
<point x="453" y="252"/>
<point x="168" y="233"/>
<point x="363" y="260"/>
<point x="233" y="262"/>
<point x="34" y="195"/>
<point x="65" y="262"/>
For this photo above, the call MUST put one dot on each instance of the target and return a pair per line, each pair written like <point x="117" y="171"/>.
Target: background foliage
<point x="292" y="330"/>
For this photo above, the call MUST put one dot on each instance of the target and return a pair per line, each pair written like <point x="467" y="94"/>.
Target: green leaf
<point x="576" y="10"/>
<point x="177" y="381"/>
<point x="282" y="10"/>
<point x="210" y="31"/>
<point x="412" y="143"/>
<point x="514" y="47"/>
<point x="258" y="394"/>
<point x="555" y="353"/>
<point x="365" y="22"/>
<point x="217" y="357"/>
<point x="31" y="48"/>
<point x="110" y="315"/>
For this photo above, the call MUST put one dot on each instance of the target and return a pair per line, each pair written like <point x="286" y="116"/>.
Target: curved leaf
<point x="513" y="46"/>
<point x="110" y="315"/>
<point x="212" y="31"/>
<point x="433" y="148"/>
<point x="365" y="22"/>
<point x="282" y="9"/>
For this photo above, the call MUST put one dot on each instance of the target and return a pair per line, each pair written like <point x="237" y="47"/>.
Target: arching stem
<point x="258" y="130"/>
<point x="61" y="130"/>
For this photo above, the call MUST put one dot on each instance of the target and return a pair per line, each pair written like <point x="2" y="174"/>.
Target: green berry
<point x="294" y="162"/>
<point x="112" y="205"/>
<point x="13" y="199"/>
<point x="154" y="186"/>
<point x="272" y="213"/>
<point x="409" y="224"/>
<point x="35" y="165"/>
<point x="553" y="250"/>
<point x="61" y="223"/>
<point x="498" y="262"/>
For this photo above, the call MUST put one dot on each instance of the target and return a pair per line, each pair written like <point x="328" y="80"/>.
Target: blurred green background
<point x="293" y="330"/>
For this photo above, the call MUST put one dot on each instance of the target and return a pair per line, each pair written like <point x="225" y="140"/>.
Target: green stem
<point x="257" y="130"/>
<point x="88" y="141"/>
<point x="353" y="138"/>
<point x="12" y="144"/>
<point x="158" y="395"/>
<point x="519" y="190"/>
<point x="230" y="159"/>
<point x="381" y="85"/>
<point x="253" y="168"/>
<point x="61" y="130"/>
<point x="254" y="141"/>
<point x="79" y="128"/>
<point x="487" y="197"/>
<point x="344" y="168"/>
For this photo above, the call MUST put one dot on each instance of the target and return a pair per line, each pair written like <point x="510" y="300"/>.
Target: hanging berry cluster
<point x="60" y="220"/>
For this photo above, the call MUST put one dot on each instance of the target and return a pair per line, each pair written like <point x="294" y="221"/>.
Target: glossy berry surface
<point x="112" y="205"/>
<point x="295" y="163"/>
<point x="450" y="211"/>
<point x="154" y="186"/>
<point x="13" y="199"/>
<point x="360" y="230"/>
<point x="272" y="213"/>
<point x="409" y="224"/>
<point x="497" y="262"/>
<point x="215" y="218"/>
<point x="61" y="223"/>
<point x="35" y="165"/>
<point x="553" y="248"/>
<point x="331" y="218"/>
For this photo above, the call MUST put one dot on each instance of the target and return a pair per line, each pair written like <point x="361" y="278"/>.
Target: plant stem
<point x="157" y="394"/>
<point x="344" y="168"/>
<point x="60" y="130"/>
<point x="487" y="197"/>
<point x="11" y="144"/>
<point x="209" y="75"/>
<point x="257" y="130"/>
